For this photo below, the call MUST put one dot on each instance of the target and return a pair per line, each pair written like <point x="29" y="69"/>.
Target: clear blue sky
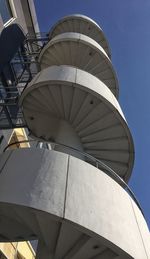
<point x="126" y="24"/>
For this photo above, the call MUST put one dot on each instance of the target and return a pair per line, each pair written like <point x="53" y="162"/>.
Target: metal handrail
<point x="109" y="171"/>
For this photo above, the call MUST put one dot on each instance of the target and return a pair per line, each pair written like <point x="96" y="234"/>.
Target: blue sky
<point x="126" y="24"/>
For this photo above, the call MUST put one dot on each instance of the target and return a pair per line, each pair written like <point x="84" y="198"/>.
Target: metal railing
<point x="22" y="68"/>
<point x="88" y="158"/>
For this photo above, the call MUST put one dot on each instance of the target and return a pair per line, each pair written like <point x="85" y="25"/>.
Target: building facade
<point x="70" y="190"/>
<point x="20" y="12"/>
<point x="23" y="14"/>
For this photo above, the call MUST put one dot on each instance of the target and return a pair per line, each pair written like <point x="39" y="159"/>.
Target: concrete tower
<point x="73" y="196"/>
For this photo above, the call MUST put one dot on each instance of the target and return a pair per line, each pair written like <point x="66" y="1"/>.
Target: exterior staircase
<point x="75" y="209"/>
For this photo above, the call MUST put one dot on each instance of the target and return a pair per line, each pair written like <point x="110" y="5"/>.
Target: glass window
<point x="5" y="10"/>
<point x="17" y="136"/>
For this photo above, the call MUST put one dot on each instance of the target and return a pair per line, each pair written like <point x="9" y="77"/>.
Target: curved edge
<point x="72" y="75"/>
<point x="80" y="17"/>
<point x="83" y="80"/>
<point x="91" y="200"/>
<point x="74" y="36"/>
<point x="78" y="37"/>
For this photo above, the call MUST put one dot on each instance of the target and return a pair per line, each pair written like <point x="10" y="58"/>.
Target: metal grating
<point x="22" y="68"/>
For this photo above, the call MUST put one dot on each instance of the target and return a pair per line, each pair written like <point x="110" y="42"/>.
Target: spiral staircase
<point x="58" y="196"/>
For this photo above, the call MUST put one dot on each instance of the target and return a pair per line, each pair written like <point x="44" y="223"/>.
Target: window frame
<point x="13" y="11"/>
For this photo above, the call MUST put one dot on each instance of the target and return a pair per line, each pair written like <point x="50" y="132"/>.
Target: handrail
<point x="110" y="172"/>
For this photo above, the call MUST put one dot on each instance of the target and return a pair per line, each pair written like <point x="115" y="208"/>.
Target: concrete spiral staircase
<point x="73" y="208"/>
<point x="78" y="50"/>
<point x="71" y="107"/>
<point x="83" y="25"/>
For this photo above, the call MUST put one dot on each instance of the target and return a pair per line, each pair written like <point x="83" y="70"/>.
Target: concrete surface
<point x="54" y="187"/>
<point x="67" y="103"/>
<point x="81" y="24"/>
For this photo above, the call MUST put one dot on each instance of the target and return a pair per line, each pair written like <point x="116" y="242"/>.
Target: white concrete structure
<point x="74" y="198"/>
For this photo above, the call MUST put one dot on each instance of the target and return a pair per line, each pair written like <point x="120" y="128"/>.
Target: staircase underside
<point x="63" y="95"/>
<point x="61" y="201"/>
<point x="59" y="237"/>
<point x="80" y="51"/>
<point x="81" y="24"/>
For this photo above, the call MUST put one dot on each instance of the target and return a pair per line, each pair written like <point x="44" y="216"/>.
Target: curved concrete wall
<point x="72" y="75"/>
<point x="56" y="53"/>
<point x="56" y="87"/>
<point x="77" y="16"/>
<point x="71" y="189"/>
<point x="74" y="36"/>
<point x="82" y="19"/>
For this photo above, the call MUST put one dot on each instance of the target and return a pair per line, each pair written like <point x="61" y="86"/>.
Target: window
<point x="5" y="10"/>
<point x="18" y="135"/>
